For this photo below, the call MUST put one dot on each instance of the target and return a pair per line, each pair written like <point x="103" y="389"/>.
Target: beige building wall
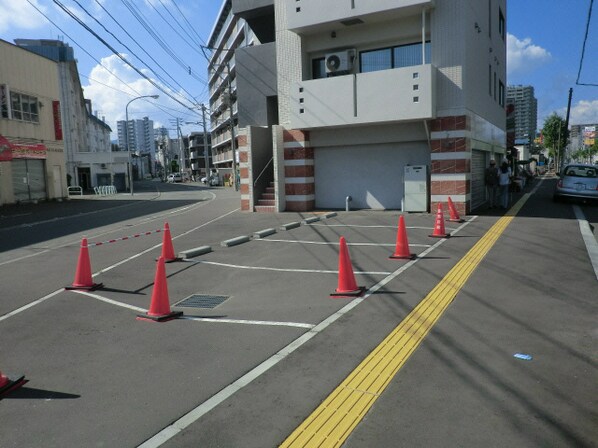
<point x="27" y="73"/>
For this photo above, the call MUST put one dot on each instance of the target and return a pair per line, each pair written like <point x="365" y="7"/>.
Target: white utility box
<point x="416" y="189"/>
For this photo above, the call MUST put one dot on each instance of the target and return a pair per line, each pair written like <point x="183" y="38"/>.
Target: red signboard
<point x="5" y="150"/>
<point x="9" y="151"/>
<point x="57" y="120"/>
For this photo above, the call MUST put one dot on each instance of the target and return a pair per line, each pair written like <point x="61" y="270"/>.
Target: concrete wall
<point x="256" y="81"/>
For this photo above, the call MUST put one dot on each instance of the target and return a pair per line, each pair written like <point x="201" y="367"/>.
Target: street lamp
<point x="127" y="135"/>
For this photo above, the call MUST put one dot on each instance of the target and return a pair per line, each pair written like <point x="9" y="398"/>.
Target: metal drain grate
<point x="201" y="301"/>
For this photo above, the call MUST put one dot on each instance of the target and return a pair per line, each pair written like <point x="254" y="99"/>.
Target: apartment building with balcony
<point x="525" y="112"/>
<point x="365" y="88"/>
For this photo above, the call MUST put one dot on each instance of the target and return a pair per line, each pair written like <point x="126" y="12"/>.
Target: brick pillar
<point x="244" y="172"/>
<point x="298" y="171"/>
<point x="450" y="143"/>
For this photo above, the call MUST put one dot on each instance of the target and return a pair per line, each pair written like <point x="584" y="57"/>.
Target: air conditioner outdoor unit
<point x="340" y="61"/>
<point x="103" y="165"/>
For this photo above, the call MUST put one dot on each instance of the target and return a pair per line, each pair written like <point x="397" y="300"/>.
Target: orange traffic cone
<point x="454" y="214"/>
<point x="160" y="306"/>
<point x="439" y="231"/>
<point x="83" y="278"/>
<point x="8" y="384"/>
<point x="347" y="286"/>
<point x="402" y="251"/>
<point x="167" y="247"/>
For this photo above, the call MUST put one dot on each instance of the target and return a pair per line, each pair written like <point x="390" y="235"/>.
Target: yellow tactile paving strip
<point x="334" y="420"/>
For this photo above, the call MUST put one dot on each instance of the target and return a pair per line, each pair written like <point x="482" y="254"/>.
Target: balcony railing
<point x="307" y="16"/>
<point x="384" y="96"/>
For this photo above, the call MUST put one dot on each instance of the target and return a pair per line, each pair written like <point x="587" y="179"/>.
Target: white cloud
<point x="107" y="92"/>
<point x="523" y="56"/>
<point x="20" y="14"/>
<point x="583" y="112"/>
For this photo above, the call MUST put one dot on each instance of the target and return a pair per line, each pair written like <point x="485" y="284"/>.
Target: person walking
<point x="491" y="181"/>
<point x="504" y="182"/>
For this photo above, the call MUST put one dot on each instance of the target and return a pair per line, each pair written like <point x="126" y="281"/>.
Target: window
<point x="394" y="57"/>
<point x="490" y="79"/>
<point x="24" y="107"/>
<point x="501" y="24"/>
<point x="372" y="61"/>
<point x="501" y="94"/>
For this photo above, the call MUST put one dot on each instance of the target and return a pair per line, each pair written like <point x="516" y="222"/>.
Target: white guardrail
<point x="75" y="190"/>
<point x="105" y="190"/>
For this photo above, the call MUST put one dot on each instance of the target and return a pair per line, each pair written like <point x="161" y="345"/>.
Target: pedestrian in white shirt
<point x="504" y="181"/>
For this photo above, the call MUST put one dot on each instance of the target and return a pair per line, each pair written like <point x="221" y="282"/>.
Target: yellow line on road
<point x="334" y="420"/>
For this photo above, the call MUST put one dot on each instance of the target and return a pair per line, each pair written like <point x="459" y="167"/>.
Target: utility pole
<point x="205" y="141"/>
<point x="567" y="119"/>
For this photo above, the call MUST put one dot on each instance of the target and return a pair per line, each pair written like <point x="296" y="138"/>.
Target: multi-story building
<point x="32" y="163"/>
<point x="89" y="160"/>
<point x="367" y="89"/>
<point x="525" y="112"/>
<point x="583" y="136"/>
<point x="199" y="154"/>
<point x="141" y="143"/>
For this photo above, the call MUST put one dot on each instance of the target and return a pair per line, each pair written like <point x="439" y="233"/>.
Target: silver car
<point x="577" y="181"/>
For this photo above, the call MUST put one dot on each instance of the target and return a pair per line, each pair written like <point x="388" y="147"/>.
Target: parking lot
<point x="269" y="343"/>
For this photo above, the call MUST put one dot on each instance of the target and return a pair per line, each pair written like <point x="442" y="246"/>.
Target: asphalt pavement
<point x="492" y="332"/>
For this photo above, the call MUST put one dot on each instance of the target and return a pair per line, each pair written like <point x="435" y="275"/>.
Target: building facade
<point x="89" y="160"/>
<point x="525" y="112"/>
<point x="32" y="161"/>
<point x="366" y="90"/>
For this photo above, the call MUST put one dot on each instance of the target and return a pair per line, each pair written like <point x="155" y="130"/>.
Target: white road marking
<point x="195" y="414"/>
<point x="325" y="243"/>
<point x="29" y="305"/>
<point x="263" y="268"/>
<point x="199" y="319"/>
<point x="588" y="238"/>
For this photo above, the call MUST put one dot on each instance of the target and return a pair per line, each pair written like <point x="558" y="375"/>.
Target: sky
<point x="544" y="49"/>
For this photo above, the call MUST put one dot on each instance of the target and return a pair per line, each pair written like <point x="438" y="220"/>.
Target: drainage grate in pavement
<point x="201" y="301"/>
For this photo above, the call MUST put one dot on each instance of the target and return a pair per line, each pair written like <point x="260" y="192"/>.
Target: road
<point x="250" y="371"/>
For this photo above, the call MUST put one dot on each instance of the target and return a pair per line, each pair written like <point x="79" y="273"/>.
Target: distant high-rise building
<point x="140" y="135"/>
<point x="525" y="112"/>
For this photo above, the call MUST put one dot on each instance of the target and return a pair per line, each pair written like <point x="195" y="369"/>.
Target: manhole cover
<point x="201" y="301"/>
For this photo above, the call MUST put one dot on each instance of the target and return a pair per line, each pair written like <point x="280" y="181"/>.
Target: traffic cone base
<point x="163" y="318"/>
<point x="348" y="294"/>
<point x="91" y="287"/>
<point x="9" y="384"/>
<point x="403" y="257"/>
<point x="160" y="305"/>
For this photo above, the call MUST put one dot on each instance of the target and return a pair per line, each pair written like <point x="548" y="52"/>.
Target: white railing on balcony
<point x="305" y="16"/>
<point x="384" y="96"/>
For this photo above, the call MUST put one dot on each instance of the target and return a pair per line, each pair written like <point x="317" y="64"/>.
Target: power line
<point x="583" y="50"/>
<point x="133" y="53"/>
<point x="143" y="21"/>
<point x="186" y="21"/>
<point x="191" y="45"/>
<point x="120" y="56"/>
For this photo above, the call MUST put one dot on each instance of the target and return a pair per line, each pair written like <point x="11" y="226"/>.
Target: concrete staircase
<point x="266" y="203"/>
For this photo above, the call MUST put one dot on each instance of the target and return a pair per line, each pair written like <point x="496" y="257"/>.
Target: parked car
<point x="174" y="177"/>
<point x="577" y="181"/>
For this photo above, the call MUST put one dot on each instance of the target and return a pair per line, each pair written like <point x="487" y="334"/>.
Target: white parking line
<point x="325" y="243"/>
<point x="199" y="319"/>
<point x="263" y="268"/>
<point x="374" y="227"/>
<point x="29" y="305"/>
<point x="195" y="414"/>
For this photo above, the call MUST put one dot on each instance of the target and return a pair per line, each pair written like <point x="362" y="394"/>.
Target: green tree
<point x="556" y="136"/>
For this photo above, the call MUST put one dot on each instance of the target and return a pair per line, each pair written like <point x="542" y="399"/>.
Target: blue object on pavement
<point x="523" y="356"/>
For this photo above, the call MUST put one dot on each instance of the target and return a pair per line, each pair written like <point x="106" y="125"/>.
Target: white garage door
<point x="372" y="176"/>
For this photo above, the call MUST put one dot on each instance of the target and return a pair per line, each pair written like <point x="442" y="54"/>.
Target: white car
<point x="174" y="177"/>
